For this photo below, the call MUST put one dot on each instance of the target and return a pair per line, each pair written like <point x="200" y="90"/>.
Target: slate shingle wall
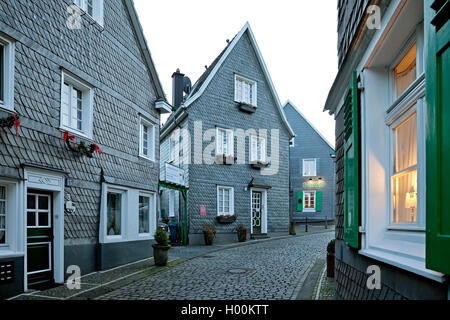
<point x="111" y="61"/>
<point x="216" y="107"/>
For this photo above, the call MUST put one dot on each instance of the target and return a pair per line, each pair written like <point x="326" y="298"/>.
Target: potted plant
<point x="330" y="259"/>
<point x="226" y="219"/>
<point x="161" y="248"/>
<point x="292" y="229"/>
<point x="242" y="233"/>
<point x="209" y="232"/>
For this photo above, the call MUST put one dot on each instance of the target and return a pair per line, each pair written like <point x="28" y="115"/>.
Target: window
<point x="171" y="203"/>
<point x="6" y="74"/>
<point x="114" y="214"/>
<point x="309" y="168"/>
<point x="404" y="72"/>
<point x="245" y="91"/>
<point x="144" y="215"/>
<point x="2" y="215"/>
<point x="93" y="8"/>
<point x="292" y="143"/>
<point x="404" y="178"/>
<point x="310" y="201"/>
<point x="258" y="149"/>
<point x="225" y="201"/>
<point x="76" y="106"/>
<point x="38" y="211"/>
<point x="224" y="142"/>
<point x="147" y="140"/>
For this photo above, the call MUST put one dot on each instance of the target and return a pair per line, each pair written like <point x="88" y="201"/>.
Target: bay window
<point x="225" y="201"/>
<point x="76" y="106"/>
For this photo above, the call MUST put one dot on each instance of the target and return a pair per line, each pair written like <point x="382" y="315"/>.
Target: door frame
<point x="53" y="182"/>
<point x="264" y="211"/>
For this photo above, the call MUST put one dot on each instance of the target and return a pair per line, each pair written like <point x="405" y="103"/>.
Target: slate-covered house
<point x="391" y="104"/>
<point x="79" y="177"/>
<point x="312" y="170"/>
<point x="230" y="136"/>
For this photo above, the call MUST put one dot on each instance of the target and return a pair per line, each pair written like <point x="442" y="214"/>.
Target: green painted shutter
<point x="300" y="201"/>
<point x="318" y="201"/>
<point x="351" y="165"/>
<point x="437" y="31"/>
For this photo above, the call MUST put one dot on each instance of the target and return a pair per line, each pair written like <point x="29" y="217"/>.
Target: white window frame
<point x="152" y="144"/>
<point x="172" y="203"/>
<point x="14" y="223"/>
<point x="5" y="216"/>
<point x="306" y="174"/>
<point x="97" y="9"/>
<point x="263" y="147"/>
<point x="152" y="214"/>
<point x="231" y="201"/>
<point x="230" y="142"/>
<point x="304" y="201"/>
<point x="8" y="74"/>
<point x="87" y="103"/>
<point x="123" y="213"/>
<point x="254" y="90"/>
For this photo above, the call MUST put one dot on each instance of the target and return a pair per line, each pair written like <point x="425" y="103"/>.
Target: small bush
<point x="161" y="236"/>
<point x="330" y="247"/>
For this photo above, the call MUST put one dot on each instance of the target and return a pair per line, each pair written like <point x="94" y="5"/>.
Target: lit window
<point x="114" y="214"/>
<point x="144" y="215"/>
<point x="258" y="149"/>
<point x="147" y="140"/>
<point x="6" y="74"/>
<point x="224" y="142"/>
<point x="404" y="179"/>
<point x="309" y="168"/>
<point x="245" y="91"/>
<point x="225" y="201"/>
<point x="309" y="200"/>
<point x="405" y="71"/>
<point x="2" y="215"/>
<point x="76" y="106"/>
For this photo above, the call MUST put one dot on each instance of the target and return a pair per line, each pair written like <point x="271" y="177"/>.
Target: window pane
<point x="90" y="7"/>
<point x="114" y="214"/>
<point x="31" y="219"/>
<point x="405" y="197"/>
<point x="31" y="202"/>
<point x="405" y="71"/>
<point x="79" y="110"/>
<point x="43" y="203"/>
<point x="2" y="208"/>
<point x="406" y="144"/>
<point x="145" y="140"/>
<point x="144" y="215"/>
<point x="2" y="236"/>
<point x="2" y="85"/>
<point x="2" y="193"/>
<point x="43" y="219"/>
<point x="66" y="105"/>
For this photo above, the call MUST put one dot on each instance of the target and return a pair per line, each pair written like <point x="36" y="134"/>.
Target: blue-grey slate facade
<point x="114" y="60"/>
<point x="310" y="144"/>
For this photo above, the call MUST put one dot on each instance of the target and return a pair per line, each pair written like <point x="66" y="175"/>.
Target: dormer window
<point x="245" y="91"/>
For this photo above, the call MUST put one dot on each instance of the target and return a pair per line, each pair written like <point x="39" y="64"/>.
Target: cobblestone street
<point x="273" y="270"/>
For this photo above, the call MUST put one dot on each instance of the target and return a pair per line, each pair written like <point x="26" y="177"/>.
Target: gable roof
<point x="309" y="123"/>
<point x="205" y="79"/>
<point x="144" y="49"/>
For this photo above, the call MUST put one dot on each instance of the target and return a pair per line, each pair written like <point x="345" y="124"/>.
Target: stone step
<point x="257" y="236"/>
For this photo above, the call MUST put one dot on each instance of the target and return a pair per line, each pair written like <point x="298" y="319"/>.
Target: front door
<point x="257" y="212"/>
<point x="39" y="239"/>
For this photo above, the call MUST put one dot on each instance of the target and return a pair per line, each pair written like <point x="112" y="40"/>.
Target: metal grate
<point x="6" y="272"/>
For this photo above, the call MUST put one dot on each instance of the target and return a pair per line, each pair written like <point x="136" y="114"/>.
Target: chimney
<point x="177" y="88"/>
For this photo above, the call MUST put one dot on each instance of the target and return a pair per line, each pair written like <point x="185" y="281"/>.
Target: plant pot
<point x="242" y="236"/>
<point x="292" y="230"/>
<point x="330" y="265"/>
<point x="209" y="237"/>
<point x="160" y="254"/>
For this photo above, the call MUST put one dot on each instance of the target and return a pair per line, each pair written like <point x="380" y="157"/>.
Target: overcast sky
<point x="297" y="39"/>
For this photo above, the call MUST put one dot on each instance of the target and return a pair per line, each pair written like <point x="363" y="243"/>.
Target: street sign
<point x="175" y="175"/>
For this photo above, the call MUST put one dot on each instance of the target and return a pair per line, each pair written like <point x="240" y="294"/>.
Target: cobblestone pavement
<point x="270" y="270"/>
<point x="325" y="288"/>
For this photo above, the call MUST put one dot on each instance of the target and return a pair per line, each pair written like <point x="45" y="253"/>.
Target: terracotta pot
<point x="330" y="265"/>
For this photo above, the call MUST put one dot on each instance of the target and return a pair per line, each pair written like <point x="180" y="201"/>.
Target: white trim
<point x="152" y="214"/>
<point x="88" y="105"/>
<point x="310" y="210"/>
<point x="8" y="77"/>
<point x="231" y="201"/>
<point x="151" y="126"/>
<point x="123" y="213"/>
<point x="171" y="203"/>
<point x="230" y="47"/>
<point x="264" y="211"/>
<point x="289" y="102"/>
<point x="49" y="257"/>
<point x="254" y="153"/>
<point x="230" y="141"/>
<point x="163" y="107"/>
<point x="97" y="10"/>
<point x="305" y="174"/>
<point x="254" y="89"/>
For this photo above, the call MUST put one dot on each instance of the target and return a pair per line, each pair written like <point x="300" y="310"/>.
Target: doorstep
<point x="101" y="282"/>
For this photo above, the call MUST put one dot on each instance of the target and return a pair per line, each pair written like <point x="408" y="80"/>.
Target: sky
<point x="297" y="39"/>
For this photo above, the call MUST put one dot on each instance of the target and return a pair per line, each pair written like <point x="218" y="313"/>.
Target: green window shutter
<point x="318" y="201"/>
<point x="437" y="31"/>
<point x="351" y="166"/>
<point x="300" y="201"/>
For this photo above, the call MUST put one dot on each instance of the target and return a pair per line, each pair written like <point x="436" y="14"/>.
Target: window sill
<point x="412" y="261"/>
<point x="247" y="108"/>
<point x="6" y="253"/>
<point x="146" y="158"/>
<point x="5" y="108"/>
<point x="76" y="133"/>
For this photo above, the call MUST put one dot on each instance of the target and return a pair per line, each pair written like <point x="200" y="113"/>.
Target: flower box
<point x="226" y="219"/>
<point x="247" y="107"/>
<point x="225" y="160"/>
<point x="259" y="164"/>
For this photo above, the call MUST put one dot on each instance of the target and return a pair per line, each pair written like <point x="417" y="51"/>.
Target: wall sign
<point x="203" y="210"/>
<point x="175" y="175"/>
<point x="314" y="185"/>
